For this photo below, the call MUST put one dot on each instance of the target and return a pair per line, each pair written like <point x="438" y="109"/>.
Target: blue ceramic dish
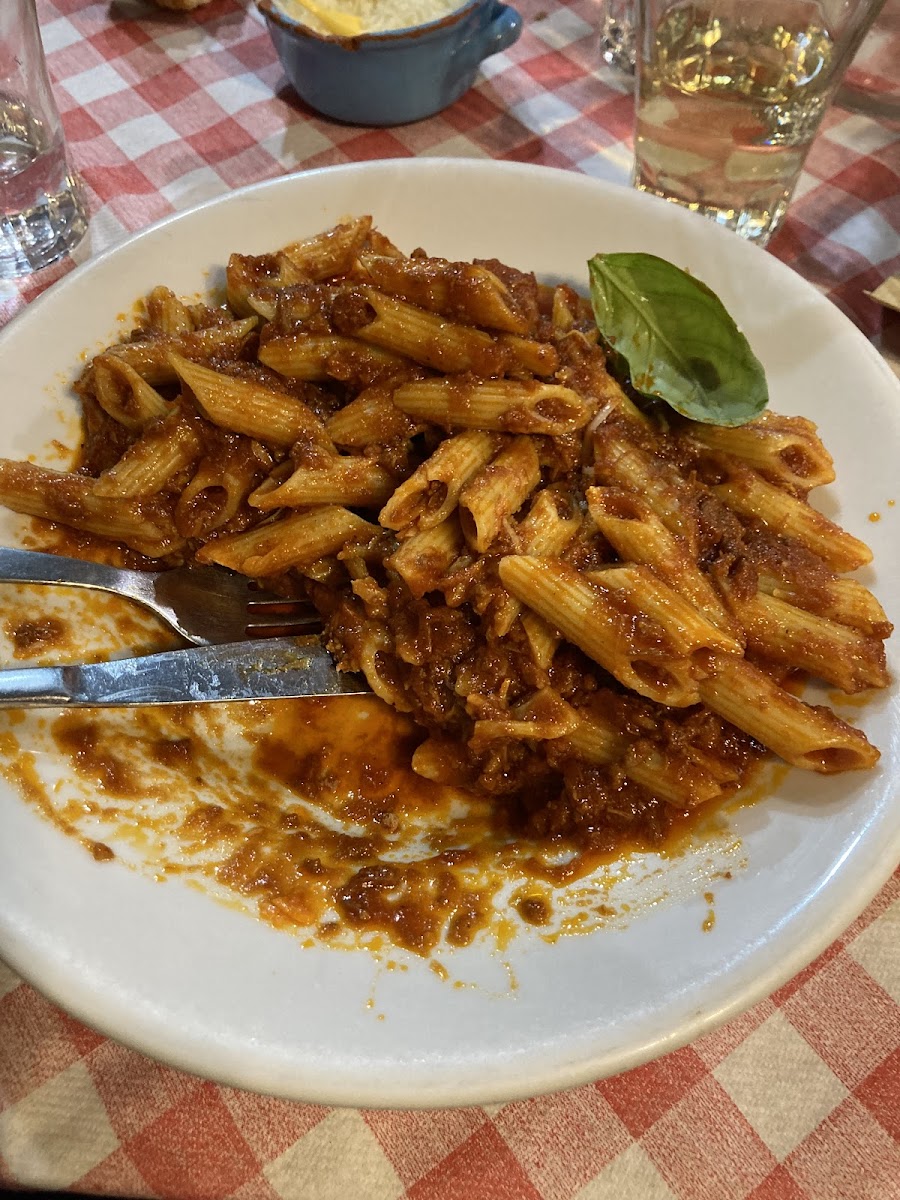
<point x="394" y="77"/>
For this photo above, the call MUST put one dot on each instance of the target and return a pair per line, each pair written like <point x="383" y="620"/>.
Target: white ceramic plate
<point x="173" y="973"/>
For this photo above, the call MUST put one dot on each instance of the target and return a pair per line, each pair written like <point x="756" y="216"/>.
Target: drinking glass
<point x="871" y="85"/>
<point x="730" y="95"/>
<point x="43" y="214"/>
<point x="617" y="33"/>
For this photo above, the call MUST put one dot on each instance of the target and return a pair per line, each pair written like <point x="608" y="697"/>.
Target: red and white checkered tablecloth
<point x="799" y="1099"/>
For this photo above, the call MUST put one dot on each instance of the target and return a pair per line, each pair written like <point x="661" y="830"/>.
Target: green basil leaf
<point x="678" y="340"/>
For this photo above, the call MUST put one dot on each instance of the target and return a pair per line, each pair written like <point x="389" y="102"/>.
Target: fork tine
<point x="281" y="621"/>
<point x="262" y="603"/>
<point x="269" y="600"/>
<point x="268" y="614"/>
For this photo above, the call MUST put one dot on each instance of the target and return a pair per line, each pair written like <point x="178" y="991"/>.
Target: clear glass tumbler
<point x="872" y="83"/>
<point x="617" y="33"/>
<point x="730" y="95"/>
<point x="43" y="214"/>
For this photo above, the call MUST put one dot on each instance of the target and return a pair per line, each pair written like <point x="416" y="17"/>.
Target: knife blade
<point x="265" y="669"/>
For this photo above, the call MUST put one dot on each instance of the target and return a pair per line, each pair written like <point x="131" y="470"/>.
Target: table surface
<point x="798" y="1099"/>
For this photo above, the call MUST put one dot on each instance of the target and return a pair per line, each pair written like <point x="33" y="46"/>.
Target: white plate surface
<point x="196" y="984"/>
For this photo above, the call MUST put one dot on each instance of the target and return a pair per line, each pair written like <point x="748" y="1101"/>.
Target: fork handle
<point x="30" y="566"/>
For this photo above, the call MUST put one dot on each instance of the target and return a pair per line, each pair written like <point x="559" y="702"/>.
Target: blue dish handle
<point x="503" y="30"/>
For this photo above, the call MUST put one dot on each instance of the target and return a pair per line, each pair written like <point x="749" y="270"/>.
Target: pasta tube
<point x="602" y="622"/>
<point x="503" y="405"/>
<point x="811" y="737"/>
<point x="245" y="406"/>
<point x="432" y="492"/>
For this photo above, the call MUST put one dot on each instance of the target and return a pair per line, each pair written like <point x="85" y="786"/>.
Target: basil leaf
<point x="677" y="338"/>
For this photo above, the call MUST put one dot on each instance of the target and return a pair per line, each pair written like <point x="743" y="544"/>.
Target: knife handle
<point x="39" y="686"/>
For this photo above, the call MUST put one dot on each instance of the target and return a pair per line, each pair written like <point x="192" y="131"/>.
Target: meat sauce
<point x="309" y="812"/>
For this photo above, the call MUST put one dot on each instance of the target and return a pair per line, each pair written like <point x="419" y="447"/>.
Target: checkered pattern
<point x="799" y="1099"/>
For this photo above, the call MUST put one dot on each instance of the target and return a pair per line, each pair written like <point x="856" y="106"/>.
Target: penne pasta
<point x="603" y="623"/>
<point x="253" y="283"/>
<point x="370" y="418"/>
<point x="687" y="629"/>
<point x="784" y="634"/>
<point x="245" y="406"/>
<point x="144" y="524"/>
<point x="218" y="491"/>
<point x="543" y="716"/>
<point x="166" y="313"/>
<point x="503" y="405"/>
<point x="638" y="535"/>
<point x="813" y="738"/>
<point x="786" y="450"/>
<point x="620" y="462"/>
<point x="332" y="252"/>
<point x="163" y="450"/>
<point x="593" y="614"/>
<point x="432" y="341"/>
<point x="465" y="292"/>
<point x="747" y="493"/>
<point x="150" y="359"/>
<point x="330" y="357"/>
<point x="432" y="492"/>
<point x="546" y="530"/>
<point x="125" y="395"/>
<point x="423" y="559"/>
<point x="543" y="639"/>
<point x="495" y="494"/>
<point x="844" y="600"/>
<point x="443" y="761"/>
<point x="594" y="741"/>
<point x="355" y="481"/>
<point x="677" y="777"/>
<point x="295" y="541"/>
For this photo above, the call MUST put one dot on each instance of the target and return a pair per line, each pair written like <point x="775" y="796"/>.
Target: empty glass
<point x="872" y="83"/>
<point x="43" y="214"/>
<point x="617" y="33"/>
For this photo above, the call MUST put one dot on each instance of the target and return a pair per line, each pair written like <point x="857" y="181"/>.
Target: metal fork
<point x="208" y="606"/>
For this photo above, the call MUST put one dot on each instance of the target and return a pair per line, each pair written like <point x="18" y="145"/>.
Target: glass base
<point x="753" y="226"/>
<point x="37" y="237"/>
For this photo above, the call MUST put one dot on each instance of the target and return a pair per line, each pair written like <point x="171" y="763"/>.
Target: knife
<point x="265" y="669"/>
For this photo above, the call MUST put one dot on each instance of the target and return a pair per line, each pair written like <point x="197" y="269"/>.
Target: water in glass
<point x="43" y="214"/>
<point x="730" y="97"/>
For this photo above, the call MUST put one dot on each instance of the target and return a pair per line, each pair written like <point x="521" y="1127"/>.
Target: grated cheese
<point x="377" y="16"/>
